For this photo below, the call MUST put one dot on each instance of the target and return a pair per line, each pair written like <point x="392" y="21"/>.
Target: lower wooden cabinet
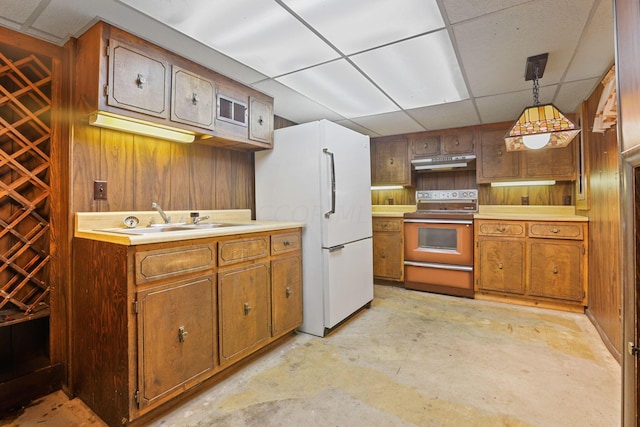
<point x="388" y="248"/>
<point x="537" y="262"/>
<point x="152" y="321"/>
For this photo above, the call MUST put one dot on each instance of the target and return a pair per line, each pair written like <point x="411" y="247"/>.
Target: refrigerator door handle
<point x="333" y="183"/>
<point x="336" y="248"/>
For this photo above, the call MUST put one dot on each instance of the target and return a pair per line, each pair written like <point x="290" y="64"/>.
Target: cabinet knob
<point x="286" y="243"/>
<point x="554" y="270"/>
<point x="499" y="153"/>
<point x="555" y="230"/>
<point x="182" y="334"/>
<point x="383" y="255"/>
<point x="391" y="161"/>
<point x="501" y="229"/>
<point x="141" y="81"/>
<point x="500" y="266"/>
<point x="288" y="292"/>
<point x="426" y="145"/>
<point x="457" y="141"/>
<point x="195" y="98"/>
<point x="247" y="308"/>
<point x="260" y="121"/>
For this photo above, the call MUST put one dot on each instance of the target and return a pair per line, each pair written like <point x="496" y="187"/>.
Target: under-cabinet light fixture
<point x="386" y="187"/>
<point x="522" y="183"/>
<point x="539" y="126"/>
<point x="126" y="124"/>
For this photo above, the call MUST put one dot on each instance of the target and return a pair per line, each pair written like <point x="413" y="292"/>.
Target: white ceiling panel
<point x="389" y="123"/>
<point x="356" y="127"/>
<point x="298" y="51"/>
<point x="258" y="33"/>
<point x="446" y="115"/>
<point x="358" y="25"/>
<point x="341" y="88"/>
<point x="418" y="72"/>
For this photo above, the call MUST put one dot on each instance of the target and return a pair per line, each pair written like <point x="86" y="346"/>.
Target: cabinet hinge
<point x="107" y="50"/>
<point x="633" y="349"/>
<point x="584" y="249"/>
<point x="105" y="90"/>
<point x="135" y="307"/>
<point x="136" y="397"/>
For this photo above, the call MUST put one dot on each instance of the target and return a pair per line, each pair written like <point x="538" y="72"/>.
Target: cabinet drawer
<point x="164" y="263"/>
<point x="385" y="224"/>
<point x="556" y="231"/>
<point x="500" y="228"/>
<point x="283" y="243"/>
<point x="239" y="250"/>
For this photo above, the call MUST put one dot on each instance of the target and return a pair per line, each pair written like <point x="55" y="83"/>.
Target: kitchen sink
<point x="164" y="229"/>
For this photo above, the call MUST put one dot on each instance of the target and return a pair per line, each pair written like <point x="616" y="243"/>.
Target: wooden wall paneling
<point x="180" y="177"/>
<point x="202" y="188"/>
<point x="245" y="182"/>
<point x="223" y="178"/>
<point x="85" y="159"/>
<point x="116" y="167"/>
<point x="234" y="180"/>
<point x="152" y="173"/>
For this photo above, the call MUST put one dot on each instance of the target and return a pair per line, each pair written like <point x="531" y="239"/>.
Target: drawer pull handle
<point x="260" y="121"/>
<point x="288" y="292"/>
<point x="391" y="161"/>
<point x="500" y="266"/>
<point x="247" y="308"/>
<point x="182" y="334"/>
<point x="195" y="98"/>
<point x="554" y="270"/>
<point x="140" y="81"/>
<point x="383" y="255"/>
<point x="501" y="229"/>
<point x="555" y="230"/>
<point x="286" y="243"/>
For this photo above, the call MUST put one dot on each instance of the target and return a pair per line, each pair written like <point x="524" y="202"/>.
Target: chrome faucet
<point x="164" y="216"/>
<point x="197" y="219"/>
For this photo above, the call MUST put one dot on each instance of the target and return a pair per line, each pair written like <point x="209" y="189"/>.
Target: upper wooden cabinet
<point x="495" y="163"/>
<point x="389" y="161"/>
<point x="428" y="144"/>
<point x="122" y="74"/>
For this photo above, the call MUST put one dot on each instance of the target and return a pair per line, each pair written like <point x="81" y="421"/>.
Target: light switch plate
<point x="99" y="190"/>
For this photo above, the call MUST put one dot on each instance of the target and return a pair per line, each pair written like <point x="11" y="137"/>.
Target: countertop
<point x="391" y="210"/>
<point x="96" y="225"/>
<point x="529" y="213"/>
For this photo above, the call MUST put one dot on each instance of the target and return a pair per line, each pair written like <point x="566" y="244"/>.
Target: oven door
<point x="441" y="241"/>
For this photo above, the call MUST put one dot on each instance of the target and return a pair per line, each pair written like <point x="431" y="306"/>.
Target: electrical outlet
<point x="99" y="190"/>
<point x="524" y="200"/>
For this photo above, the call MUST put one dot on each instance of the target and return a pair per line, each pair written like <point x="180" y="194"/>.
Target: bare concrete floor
<point x="413" y="359"/>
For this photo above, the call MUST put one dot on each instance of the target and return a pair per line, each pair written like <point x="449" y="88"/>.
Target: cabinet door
<point x="286" y="294"/>
<point x="243" y="295"/>
<point x="193" y="99"/>
<point x="260" y="121"/>
<point x="554" y="163"/>
<point x="422" y="146"/>
<point x="176" y="339"/>
<point x="458" y="144"/>
<point x="390" y="162"/>
<point x="556" y="269"/>
<point x="494" y="161"/>
<point x="501" y="266"/>
<point x="137" y="82"/>
<point x="388" y="262"/>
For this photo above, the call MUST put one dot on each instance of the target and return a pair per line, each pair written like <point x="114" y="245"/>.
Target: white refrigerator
<point x="319" y="173"/>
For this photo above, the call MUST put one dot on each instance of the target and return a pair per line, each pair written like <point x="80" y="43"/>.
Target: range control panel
<point x="435" y="195"/>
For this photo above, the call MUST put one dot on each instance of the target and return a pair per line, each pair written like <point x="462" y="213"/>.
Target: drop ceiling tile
<point x="494" y="48"/>
<point x="509" y="106"/>
<point x="356" y="127"/>
<point x="462" y="10"/>
<point x="293" y="106"/>
<point x="64" y="18"/>
<point x="418" y="72"/>
<point x="258" y="33"/>
<point x="341" y="88"/>
<point x="390" y="123"/>
<point x="18" y="11"/>
<point x="357" y="25"/>
<point x="570" y="95"/>
<point x="595" y="54"/>
<point x="445" y="116"/>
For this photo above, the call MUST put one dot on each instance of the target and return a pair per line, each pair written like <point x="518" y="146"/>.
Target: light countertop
<point x="529" y="213"/>
<point x="391" y="210"/>
<point x="96" y="225"/>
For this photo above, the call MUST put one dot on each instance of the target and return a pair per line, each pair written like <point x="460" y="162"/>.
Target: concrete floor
<point x="413" y="359"/>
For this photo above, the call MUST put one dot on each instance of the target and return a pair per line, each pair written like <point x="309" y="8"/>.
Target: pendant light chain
<point x="536" y="87"/>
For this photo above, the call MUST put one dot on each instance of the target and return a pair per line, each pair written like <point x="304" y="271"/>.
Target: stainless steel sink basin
<point x="169" y="228"/>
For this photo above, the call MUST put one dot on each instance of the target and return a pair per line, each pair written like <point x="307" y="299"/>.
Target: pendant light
<point x="539" y="126"/>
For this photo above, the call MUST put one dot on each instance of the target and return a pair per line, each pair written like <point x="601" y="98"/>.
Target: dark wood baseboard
<point x="22" y="390"/>
<point x="603" y="336"/>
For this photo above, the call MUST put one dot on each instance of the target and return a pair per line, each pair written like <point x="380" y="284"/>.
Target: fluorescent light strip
<point x="125" y="124"/>
<point x="387" y="187"/>
<point x="522" y="183"/>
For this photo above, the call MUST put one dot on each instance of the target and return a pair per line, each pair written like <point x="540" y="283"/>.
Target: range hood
<point x="444" y="163"/>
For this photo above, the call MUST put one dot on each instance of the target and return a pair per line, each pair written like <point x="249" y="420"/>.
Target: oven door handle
<point x="441" y="221"/>
<point x="440" y="266"/>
